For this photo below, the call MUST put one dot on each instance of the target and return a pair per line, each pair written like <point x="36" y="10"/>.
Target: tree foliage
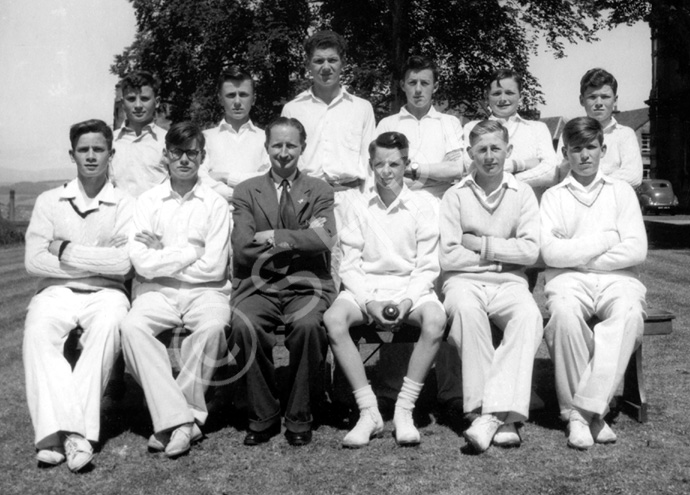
<point x="188" y="42"/>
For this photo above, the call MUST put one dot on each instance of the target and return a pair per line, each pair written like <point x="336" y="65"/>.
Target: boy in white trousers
<point x="593" y="238"/>
<point x="180" y="254"/>
<point x="77" y="244"/>
<point x="489" y="234"/>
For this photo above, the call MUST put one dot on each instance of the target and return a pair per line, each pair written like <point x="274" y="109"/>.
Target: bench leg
<point x="634" y="398"/>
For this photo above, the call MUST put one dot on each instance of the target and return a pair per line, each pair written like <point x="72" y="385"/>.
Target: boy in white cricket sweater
<point x="593" y="238"/>
<point x="77" y="244"/>
<point x="489" y="233"/>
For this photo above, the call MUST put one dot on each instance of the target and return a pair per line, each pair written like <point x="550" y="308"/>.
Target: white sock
<point x="408" y="394"/>
<point x="365" y="397"/>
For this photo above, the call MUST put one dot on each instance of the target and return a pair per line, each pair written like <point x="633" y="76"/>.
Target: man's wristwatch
<point x="414" y="170"/>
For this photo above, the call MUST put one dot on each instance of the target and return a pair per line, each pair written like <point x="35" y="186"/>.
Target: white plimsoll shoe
<point x="158" y="441"/>
<point x="181" y="439"/>
<point x="369" y="425"/>
<point x="405" y="432"/>
<point x="507" y="436"/>
<point x="579" y="435"/>
<point x="482" y="431"/>
<point x="602" y="432"/>
<point x="78" y="451"/>
<point x="52" y="456"/>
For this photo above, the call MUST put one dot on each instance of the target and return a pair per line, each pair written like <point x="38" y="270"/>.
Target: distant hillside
<point x="12" y="176"/>
<point x="31" y="188"/>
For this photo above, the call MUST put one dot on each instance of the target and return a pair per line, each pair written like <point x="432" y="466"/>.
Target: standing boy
<point x="623" y="159"/>
<point x="77" y="244"/>
<point x="180" y="253"/>
<point x="284" y="230"/>
<point x="593" y="238"/>
<point x="235" y="148"/>
<point x="390" y="243"/>
<point x="139" y="143"/>
<point x="489" y="234"/>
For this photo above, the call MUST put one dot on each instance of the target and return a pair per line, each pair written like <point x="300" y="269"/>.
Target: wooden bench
<point x="657" y="322"/>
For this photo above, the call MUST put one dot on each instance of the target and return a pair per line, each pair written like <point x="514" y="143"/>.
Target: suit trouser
<point x="252" y="339"/>
<point x="590" y="362"/>
<point x="494" y="380"/>
<point x="61" y="399"/>
<point x="205" y="313"/>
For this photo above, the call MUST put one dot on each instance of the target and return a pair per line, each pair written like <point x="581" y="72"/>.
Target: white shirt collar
<point x="74" y="191"/>
<point x="247" y="126"/>
<point x="431" y="114"/>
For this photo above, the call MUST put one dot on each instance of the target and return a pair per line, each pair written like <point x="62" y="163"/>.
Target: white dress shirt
<point x="338" y="135"/>
<point x="235" y="155"/>
<point x="431" y="138"/>
<point x="138" y="163"/>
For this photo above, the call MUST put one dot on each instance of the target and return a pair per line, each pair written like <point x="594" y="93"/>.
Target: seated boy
<point x="593" y="237"/>
<point x="489" y="233"/>
<point x="180" y="253"/>
<point x="77" y="244"/>
<point x="390" y="238"/>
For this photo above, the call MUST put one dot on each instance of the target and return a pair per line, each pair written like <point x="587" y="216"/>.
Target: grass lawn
<point x="649" y="458"/>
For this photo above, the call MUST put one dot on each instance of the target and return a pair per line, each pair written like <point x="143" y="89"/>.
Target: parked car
<point x="656" y="195"/>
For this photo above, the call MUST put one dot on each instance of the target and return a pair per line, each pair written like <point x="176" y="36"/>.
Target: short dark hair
<point x="323" y="40"/>
<point x="290" y="122"/>
<point x="596" y="78"/>
<point x="488" y="127"/>
<point x="500" y="74"/>
<point x="391" y="141"/>
<point x="93" y="125"/>
<point x="138" y="79"/>
<point x="418" y="63"/>
<point x="581" y="131"/>
<point x="235" y="73"/>
<point x="184" y="132"/>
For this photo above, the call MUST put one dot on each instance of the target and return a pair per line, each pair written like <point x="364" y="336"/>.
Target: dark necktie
<point x="288" y="219"/>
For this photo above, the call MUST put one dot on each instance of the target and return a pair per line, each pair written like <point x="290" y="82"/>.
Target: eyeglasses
<point x="176" y="153"/>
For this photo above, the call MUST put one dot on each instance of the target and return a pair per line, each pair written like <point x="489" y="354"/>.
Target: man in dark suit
<point x="284" y="229"/>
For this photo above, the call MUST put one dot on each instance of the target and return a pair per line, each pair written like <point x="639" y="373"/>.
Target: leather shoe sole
<point x="258" y="437"/>
<point x="298" y="438"/>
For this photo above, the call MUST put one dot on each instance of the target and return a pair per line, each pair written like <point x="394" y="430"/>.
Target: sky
<point x="55" y="57"/>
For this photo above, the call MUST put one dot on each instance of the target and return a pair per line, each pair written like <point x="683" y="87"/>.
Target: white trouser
<point x="494" y="380"/>
<point x="590" y="363"/>
<point x="61" y="399"/>
<point x="203" y="312"/>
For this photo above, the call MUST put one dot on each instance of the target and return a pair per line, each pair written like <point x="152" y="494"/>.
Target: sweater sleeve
<point x="426" y="268"/>
<point x="105" y="260"/>
<point x="632" y="248"/>
<point x="453" y="256"/>
<point x="352" y="243"/>
<point x="38" y="260"/>
<point x="523" y="249"/>
<point x="557" y="249"/>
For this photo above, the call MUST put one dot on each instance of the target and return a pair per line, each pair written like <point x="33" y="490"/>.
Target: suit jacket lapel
<point x="267" y="200"/>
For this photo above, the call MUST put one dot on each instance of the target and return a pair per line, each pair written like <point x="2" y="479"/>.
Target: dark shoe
<point x="298" y="438"/>
<point x="259" y="437"/>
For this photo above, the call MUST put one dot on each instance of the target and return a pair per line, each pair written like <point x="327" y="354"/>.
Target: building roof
<point x="633" y="118"/>
<point x="555" y="125"/>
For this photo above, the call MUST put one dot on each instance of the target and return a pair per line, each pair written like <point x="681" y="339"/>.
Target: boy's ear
<point x="564" y="150"/>
<point x="603" y="150"/>
<point x="469" y="152"/>
<point x="509" y="150"/>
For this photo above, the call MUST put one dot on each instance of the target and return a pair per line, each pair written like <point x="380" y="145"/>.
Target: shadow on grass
<point x="667" y="236"/>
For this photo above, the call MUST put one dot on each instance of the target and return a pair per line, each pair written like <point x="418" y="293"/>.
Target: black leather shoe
<point x="298" y="438"/>
<point x="258" y="437"/>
